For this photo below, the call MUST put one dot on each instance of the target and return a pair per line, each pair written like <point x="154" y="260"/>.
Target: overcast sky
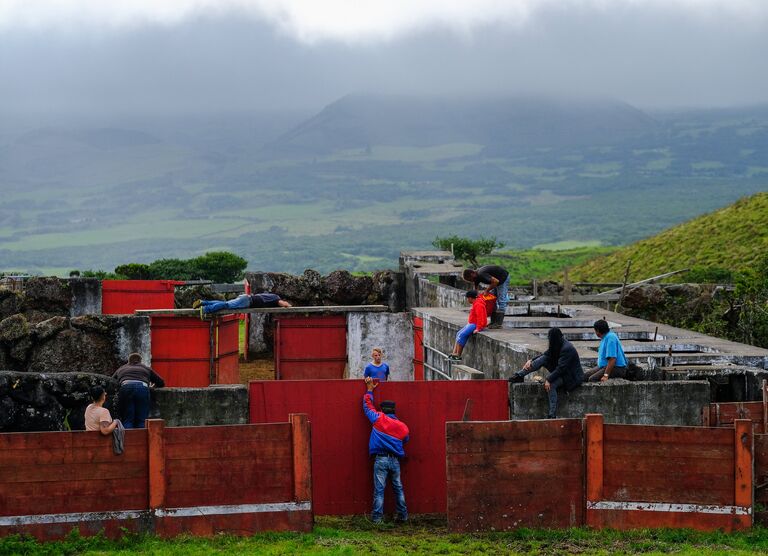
<point x="158" y="56"/>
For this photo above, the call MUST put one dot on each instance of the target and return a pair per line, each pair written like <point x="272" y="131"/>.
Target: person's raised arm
<point x="368" y="408"/>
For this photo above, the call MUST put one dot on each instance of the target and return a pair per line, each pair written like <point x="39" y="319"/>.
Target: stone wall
<point x="56" y="402"/>
<point x="431" y="294"/>
<point x="195" y="407"/>
<point x="619" y="401"/>
<point x="390" y="331"/>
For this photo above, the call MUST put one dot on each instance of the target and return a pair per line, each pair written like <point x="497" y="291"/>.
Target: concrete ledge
<point x="462" y="372"/>
<point x="191" y="407"/>
<point x="619" y="401"/>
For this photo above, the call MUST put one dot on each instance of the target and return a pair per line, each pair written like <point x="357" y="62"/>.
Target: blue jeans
<point x="383" y="467"/>
<point x="133" y="405"/>
<point x="242" y="301"/>
<point x="502" y="296"/>
<point x="553" y="386"/>
<point x="463" y="335"/>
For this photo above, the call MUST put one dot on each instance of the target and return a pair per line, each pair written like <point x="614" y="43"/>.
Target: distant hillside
<point x="361" y="121"/>
<point x="732" y="238"/>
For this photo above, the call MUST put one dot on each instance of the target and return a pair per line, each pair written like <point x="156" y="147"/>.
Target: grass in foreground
<point x="423" y="535"/>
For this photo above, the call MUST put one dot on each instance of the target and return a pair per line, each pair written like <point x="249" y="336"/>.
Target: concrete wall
<point x="258" y="342"/>
<point x="619" y="401"/>
<point x="430" y="294"/>
<point x="133" y="335"/>
<point x="392" y="332"/>
<point x="485" y="352"/>
<point x="86" y="296"/>
<point x="192" y="407"/>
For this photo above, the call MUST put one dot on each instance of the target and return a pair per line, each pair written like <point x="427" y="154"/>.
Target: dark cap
<point x="471" y="294"/>
<point x="388" y="407"/>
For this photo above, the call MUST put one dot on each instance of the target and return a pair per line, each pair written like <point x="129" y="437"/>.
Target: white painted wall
<point x="390" y="331"/>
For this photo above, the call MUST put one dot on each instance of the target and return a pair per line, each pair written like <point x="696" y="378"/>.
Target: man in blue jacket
<point x="611" y="361"/>
<point x="386" y="445"/>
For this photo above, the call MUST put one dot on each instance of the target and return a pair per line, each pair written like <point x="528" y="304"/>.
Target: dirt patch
<point x="257" y="369"/>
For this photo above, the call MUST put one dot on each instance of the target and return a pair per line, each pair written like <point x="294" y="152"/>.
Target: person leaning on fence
<point x="478" y="319"/>
<point x="97" y="417"/>
<point x="562" y="360"/>
<point x="386" y="446"/>
<point x="611" y="361"/>
<point x="242" y="301"/>
<point x="133" y="397"/>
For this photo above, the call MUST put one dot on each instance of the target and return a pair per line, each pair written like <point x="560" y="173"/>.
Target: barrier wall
<point x="203" y="480"/>
<point x="123" y="297"/>
<point x="656" y="476"/>
<point x="195" y="353"/>
<point x="342" y="469"/>
<point x="514" y="474"/>
<point x="327" y="336"/>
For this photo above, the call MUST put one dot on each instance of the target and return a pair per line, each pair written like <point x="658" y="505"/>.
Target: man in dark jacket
<point x="133" y="396"/>
<point x="562" y="360"/>
<point x="495" y="279"/>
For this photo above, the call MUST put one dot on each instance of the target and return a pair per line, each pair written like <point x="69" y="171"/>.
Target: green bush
<point x="468" y="249"/>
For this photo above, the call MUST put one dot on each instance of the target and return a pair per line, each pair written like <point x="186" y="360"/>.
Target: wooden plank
<point x="302" y="462"/>
<point x="74" y="502"/>
<point x="694" y="491"/>
<point x="259" y="449"/>
<point x="594" y="457"/>
<point x="156" y="466"/>
<point x="660" y="434"/>
<point x="273" y="310"/>
<point x="187" y="436"/>
<point x="28" y="474"/>
<point x="667" y="465"/>
<point x="76" y="440"/>
<point x="743" y="441"/>
<point x="56" y="457"/>
<point x="660" y="452"/>
<point x="625" y="520"/>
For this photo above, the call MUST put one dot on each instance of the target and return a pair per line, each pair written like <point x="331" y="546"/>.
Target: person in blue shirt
<point x="611" y="361"/>
<point x="388" y="435"/>
<point x="376" y="369"/>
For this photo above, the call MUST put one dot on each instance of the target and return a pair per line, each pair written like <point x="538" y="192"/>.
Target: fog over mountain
<point x="115" y="60"/>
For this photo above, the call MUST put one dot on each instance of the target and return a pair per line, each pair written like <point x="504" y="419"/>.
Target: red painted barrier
<point x="341" y="467"/>
<point x="123" y="297"/>
<point x="418" y="348"/>
<point x="181" y="350"/>
<point x="310" y="347"/>
<point x="238" y="479"/>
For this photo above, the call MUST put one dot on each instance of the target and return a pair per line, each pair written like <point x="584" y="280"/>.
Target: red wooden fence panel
<point x="310" y="347"/>
<point x="658" y="476"/>
<point x="239" y="479"/>
<point x="513" y="474"/>
<point x="724" y="414"/>
<point x="51" y="482"/>
<point x="341" y="468"/>
<point x="123" y="297"/>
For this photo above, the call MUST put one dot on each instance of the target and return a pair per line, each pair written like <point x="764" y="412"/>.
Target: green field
<point x="423" y="536"/>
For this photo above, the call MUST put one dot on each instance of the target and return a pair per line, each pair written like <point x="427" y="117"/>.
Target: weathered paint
<point x="309" y="347"/>
<point x="390" y="331"/>
<point x="123" y="297"/>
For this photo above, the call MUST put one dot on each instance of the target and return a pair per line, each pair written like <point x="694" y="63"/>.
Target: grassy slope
<point x="540" y="263"/>
<point x="732" y="238"/>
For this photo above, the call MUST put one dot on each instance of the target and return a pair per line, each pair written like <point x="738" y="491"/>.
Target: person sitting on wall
<point x="97" y="417"/>
<point x="562" y="360"/>
<point x="478" y="319"/>
<point x="133" y="397"/>
<point x="386" y="446"/>
<point x="611" y="361"/>
<point x="242" y="301"/>
<point x="496" y="280"/>
<point x="376" y="369"/>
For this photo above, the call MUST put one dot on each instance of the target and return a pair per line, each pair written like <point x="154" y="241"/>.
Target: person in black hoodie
<point x="563" y="362"/>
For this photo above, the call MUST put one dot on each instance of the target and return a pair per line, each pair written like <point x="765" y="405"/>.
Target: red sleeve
<point x="481" y="315"/>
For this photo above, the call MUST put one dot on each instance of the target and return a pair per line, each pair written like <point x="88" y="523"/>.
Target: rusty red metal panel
<point x="310" y="347"/>
<point x="418" y="348"/>
<point x="227" y="343"/>
<point x="341" y="467"/>
<point x="123" y="297"/>
<point x="512" y="474"/>
<point x="181" y="350"/>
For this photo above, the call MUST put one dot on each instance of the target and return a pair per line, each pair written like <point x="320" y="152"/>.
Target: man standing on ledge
<point x="611" y="361"/>
<point x="386" y="446"/>
<point x="494" y="278"/>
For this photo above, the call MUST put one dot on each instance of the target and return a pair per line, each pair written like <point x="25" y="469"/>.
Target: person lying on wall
<point x="386" y="446"/>
<point x="242" y="301"/>
<point x="135" y="380"/>
<point x="562" y="360"/>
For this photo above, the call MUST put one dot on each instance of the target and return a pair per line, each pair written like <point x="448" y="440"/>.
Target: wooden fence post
<point x="594" y="466"/>
<point x="156" y="452"/>
<point x="743" y="463"/>
<point x="302" y="457"/>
